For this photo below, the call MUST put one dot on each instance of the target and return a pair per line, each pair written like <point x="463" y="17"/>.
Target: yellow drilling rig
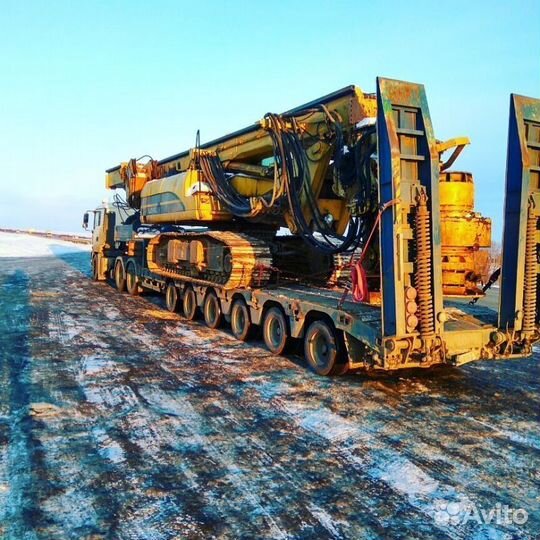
<point x="339" y="222"/>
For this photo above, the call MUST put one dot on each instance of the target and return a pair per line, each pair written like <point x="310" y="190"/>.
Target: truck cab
<point x="113" y="226"/>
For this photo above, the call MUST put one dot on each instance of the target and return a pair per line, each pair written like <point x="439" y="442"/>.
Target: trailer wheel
<point x="275" y="332"/>
<point x="132" y="282"/>
<point x="189" y="304"/>
<point x="119" y="276"/>
<point x="212" y="310"/>
<point x="240" y="320"/>
<point x="323" y="349"/>
<point x="171" y="297"/>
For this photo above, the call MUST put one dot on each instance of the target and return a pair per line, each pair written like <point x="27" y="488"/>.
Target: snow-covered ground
<point x="84" y="233"/>
<point x="27" y="245"/>
<point x="121" y="419"/>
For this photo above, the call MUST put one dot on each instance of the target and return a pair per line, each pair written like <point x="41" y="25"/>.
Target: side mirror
<point x="85" y="220"/>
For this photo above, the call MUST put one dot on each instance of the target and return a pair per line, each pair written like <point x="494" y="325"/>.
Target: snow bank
<point x="27" y="245"/>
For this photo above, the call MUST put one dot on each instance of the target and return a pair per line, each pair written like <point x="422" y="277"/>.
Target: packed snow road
<point x="121" y="420"/>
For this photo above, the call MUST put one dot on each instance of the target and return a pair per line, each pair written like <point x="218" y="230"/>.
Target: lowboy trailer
<point x="380" y="269"/>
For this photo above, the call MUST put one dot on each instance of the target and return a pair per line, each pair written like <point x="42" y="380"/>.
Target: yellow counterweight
<point x="464" y="234"/>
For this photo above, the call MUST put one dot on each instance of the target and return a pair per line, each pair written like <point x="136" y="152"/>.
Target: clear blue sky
<point x="88" y="84"/>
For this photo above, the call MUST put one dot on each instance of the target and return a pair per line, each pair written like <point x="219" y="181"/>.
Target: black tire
<point x="323" y="349"/>
<point x="119" y="277"/>
<point x="189" y="304"/>
<point x="132" y="280"/>
<point x="213" y="316"/>
<point x="171" y="297"/>
<point x="240" y="320"/>
<point x="275" y="331"/>
<point x="95" y="267"/>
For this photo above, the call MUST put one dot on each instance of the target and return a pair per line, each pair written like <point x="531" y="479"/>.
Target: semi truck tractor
<point x="342" y="223"/>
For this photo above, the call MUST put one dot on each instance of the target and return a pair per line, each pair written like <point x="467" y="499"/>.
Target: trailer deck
<point x="467" y="330"/>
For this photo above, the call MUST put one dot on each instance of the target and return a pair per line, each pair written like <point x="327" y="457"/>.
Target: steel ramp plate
<point x="463" y="316"/>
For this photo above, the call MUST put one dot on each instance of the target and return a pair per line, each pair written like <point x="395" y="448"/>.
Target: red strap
<point x="359" y="289"/>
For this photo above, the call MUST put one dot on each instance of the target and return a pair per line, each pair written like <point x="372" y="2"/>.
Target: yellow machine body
<point x="180" y="198"/>
<point x="464" y="236"/>
<point x="165" y="190"/>
<point x="176" y="191"/>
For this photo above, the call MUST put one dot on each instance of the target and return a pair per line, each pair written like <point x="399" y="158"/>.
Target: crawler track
<point x="251" y="261"/>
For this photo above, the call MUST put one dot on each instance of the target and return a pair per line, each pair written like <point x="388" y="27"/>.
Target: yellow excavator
<point x="343" y="212"/>
<point x="312" y="170"/>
